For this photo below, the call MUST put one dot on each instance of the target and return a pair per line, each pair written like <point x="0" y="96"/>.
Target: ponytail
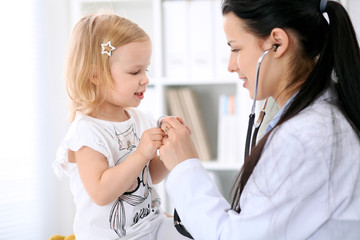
<point x="346" y="62"/>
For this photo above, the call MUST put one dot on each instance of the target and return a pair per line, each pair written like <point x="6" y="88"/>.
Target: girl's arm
<point x="158" y="171"/>
<point x="104" y="184"/>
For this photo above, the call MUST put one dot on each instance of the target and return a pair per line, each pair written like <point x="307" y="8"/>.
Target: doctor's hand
<point x="177" y="145"/>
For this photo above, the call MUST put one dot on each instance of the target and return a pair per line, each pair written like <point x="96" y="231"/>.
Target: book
<point x="176" y="39"/>
<point x="174" y="104"/>
<point x="183" y="103"/>
<point x="193" y="111"/>
<point x="228" y="130"/>
<point x="176" y="109"/>
<point x="201" y="39"/>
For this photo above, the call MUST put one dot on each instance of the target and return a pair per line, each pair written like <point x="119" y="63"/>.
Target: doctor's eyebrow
<point x="230" y="42"/>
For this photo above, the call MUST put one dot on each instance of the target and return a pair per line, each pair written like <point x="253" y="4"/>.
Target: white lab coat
<point x="305" y="186"/>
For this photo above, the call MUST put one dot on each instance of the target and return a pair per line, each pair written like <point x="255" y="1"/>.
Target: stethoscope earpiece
<point x="275" y="47"/>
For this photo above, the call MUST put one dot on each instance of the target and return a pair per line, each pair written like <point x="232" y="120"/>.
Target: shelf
<point x="114" y="1"/>
<point x="176" y="82"/>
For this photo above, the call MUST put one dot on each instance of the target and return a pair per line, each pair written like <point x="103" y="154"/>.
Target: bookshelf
<point x="190" y="52"/>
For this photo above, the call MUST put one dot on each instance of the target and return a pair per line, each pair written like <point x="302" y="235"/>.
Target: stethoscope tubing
<point x="252" y="114"/>
<point x="261" y="58"/>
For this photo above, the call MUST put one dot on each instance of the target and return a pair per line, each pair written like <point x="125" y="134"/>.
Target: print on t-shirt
<point x="124" y="209"/>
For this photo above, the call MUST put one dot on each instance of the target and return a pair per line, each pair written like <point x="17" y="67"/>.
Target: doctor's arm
<point x="270" y="209"/>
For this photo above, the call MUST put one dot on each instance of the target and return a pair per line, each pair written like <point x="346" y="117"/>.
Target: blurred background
<point x="34" y="204"/>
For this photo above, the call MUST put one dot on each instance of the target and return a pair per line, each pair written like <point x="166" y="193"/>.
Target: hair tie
<point x="323" y="4"/>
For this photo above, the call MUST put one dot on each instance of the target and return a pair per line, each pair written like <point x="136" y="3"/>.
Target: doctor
<point x="302" y="180"/>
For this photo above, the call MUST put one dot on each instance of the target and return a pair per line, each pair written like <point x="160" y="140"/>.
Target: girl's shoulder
<point x="86" y="125"/>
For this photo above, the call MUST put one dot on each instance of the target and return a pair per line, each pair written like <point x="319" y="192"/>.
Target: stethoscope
<point x="177" y="221"/>
<point x="252" y="135"/>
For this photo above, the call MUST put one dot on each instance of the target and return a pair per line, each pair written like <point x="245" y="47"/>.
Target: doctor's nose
<point x="232" y="65"/>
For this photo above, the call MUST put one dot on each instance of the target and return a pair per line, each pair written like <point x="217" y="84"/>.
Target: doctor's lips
<point x="244" y="79"/>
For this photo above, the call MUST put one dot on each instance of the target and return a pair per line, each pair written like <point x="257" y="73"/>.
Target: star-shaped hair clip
<point x="107" y="48"/>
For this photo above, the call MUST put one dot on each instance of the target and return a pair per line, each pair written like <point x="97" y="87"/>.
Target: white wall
<point x="353" y="7"/>
<point x="54" y="23"/>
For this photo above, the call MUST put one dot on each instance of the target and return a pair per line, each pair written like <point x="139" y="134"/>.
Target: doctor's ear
<point x="279" y="40"/>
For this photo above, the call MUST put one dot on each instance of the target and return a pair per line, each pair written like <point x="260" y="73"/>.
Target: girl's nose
<point x="144" y="80"/>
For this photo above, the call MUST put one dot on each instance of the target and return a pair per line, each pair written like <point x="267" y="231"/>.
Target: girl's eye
<point x="235" y="50"/>
<point x="137" y="72"/>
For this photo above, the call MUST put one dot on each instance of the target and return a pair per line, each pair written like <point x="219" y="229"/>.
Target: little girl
<point x="110" y="150"/>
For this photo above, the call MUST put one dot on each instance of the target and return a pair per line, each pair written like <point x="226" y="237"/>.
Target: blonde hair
<point x="88" y="76"/>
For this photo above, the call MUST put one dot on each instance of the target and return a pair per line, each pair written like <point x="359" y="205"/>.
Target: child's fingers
<point x="154" y="131"/>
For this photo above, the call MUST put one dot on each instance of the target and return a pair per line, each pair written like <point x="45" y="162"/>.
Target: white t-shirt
<point x="132" y="215"/>
<point x="306" y="185"/>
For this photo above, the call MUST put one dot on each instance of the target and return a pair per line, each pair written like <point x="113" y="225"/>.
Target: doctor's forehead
<point x="234" y="27"/>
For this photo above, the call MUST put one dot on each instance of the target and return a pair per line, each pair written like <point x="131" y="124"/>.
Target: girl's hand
<point x="177" y="145"/>
<point x="150" y="142"/>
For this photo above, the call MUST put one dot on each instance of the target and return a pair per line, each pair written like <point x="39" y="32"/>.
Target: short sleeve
<point x="81" y="133"/>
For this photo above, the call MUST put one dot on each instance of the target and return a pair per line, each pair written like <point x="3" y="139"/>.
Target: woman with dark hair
<point x="302" y="179"/>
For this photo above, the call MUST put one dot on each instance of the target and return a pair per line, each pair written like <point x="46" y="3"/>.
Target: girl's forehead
<point x="133" y="48"/>
<point x="132" y="53"/>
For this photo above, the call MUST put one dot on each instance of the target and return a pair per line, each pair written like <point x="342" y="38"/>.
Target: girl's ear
<point x="93" y="77"/>
<point x="278" y="41"/>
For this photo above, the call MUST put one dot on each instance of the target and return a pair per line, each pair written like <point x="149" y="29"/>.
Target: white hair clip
<point x="106" y="47"/>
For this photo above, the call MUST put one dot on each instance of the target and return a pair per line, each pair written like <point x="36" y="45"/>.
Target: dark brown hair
<point x="333" y="44"/>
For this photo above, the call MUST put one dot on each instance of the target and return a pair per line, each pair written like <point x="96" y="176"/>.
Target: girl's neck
<point x="119" y="115"/>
